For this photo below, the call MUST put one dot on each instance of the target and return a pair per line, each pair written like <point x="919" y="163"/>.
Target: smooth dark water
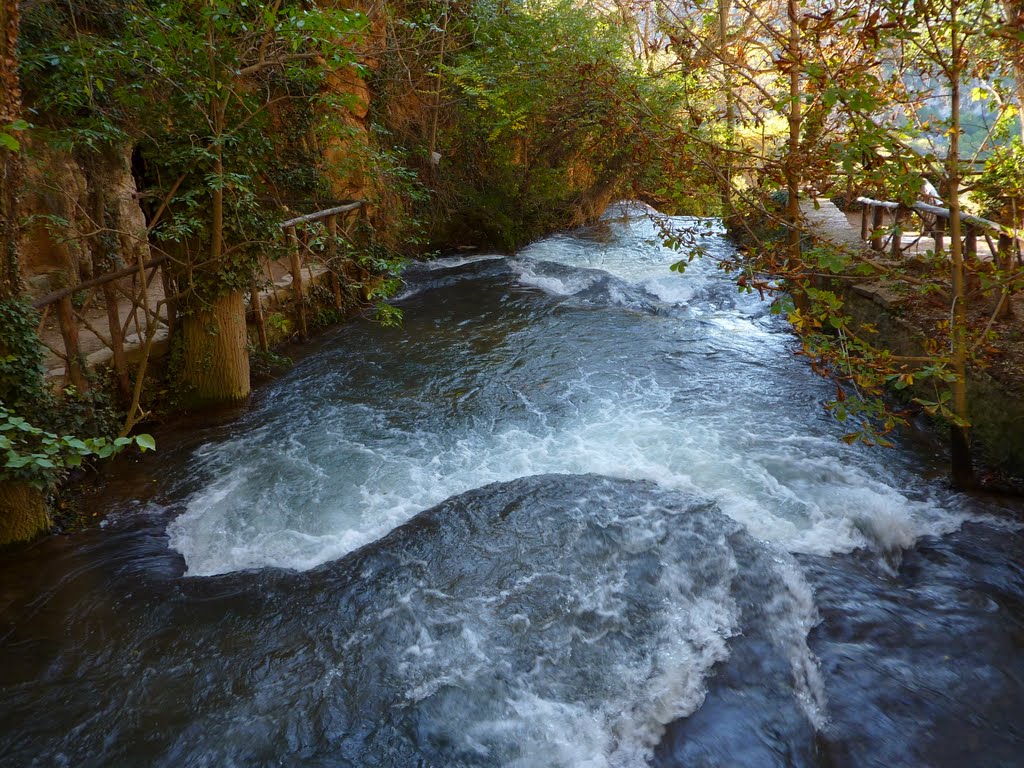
<point x="579" y="511"/>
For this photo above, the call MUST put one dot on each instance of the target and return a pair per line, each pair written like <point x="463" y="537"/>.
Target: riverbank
<point x="906" y="321"/>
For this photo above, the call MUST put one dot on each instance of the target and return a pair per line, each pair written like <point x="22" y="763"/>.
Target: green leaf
<point x="145" y="442"/>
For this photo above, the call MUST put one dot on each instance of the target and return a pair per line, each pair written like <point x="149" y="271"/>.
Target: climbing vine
<point x="41" y="458"/>
<point x="21" y="357"/>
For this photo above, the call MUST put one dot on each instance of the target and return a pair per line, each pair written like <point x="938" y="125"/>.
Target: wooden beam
<point x="296" y="270"/>
<point x="124" y="386"/>
<point x="877" y="211"/>
<point x="332" y="255"/>
<point x="52" y="298"/>
<point x="256" y="304"/>
<point x="896" y="239"/>
<point x="971" y="242"/>
<point x="309" y="217"/>
<point x="69" y="331"/>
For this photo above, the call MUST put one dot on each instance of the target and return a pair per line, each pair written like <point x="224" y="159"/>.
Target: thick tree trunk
<point x="23" y="514"/>
<point x="10" y="162"/>
<point x="216" y="353"/>
<point x="794" y="119"/>
<point x="791" y="164"/>
<point x="724" y="8"/>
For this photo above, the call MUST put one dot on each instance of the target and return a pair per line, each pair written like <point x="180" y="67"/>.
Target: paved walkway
<point x="827" y="222"/>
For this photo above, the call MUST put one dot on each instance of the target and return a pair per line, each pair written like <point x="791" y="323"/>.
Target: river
<point x="579" y="511"/>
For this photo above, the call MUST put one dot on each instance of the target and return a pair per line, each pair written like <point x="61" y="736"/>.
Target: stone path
<point x="827" y="222"/>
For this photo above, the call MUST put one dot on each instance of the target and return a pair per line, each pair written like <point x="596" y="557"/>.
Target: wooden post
<point x="69" y="330"/>
<point x="124" y="386"/>
<point x="332" y="256"/>
<point x="971" y="243"/>
<point x="256" y="305"/>
<point x="992" y="248"/>
<point x="896" y="246"/>
<point x="169" y="301"/>
<point x="1004" y="260"/>
<point x="865" y="222"/>
<point x="937" y="233"/>
<point x="876" y="226"/>
<point x="296" y="269"/>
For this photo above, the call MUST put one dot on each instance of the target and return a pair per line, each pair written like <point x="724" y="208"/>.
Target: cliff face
<point x="344" y="154"/>
<point x="83" y="209"/>
<point x="84" y="216"/>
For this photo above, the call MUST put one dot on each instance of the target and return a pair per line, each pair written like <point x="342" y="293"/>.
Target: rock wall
<point x="83" y="216"/>
<point x="996" y="407"/>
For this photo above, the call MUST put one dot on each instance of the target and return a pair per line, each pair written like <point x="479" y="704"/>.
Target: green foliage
<point x="999" y="190"/>
<point x="545" y="117"/>
<point x="39" y="457"/>
<point x="387" y="315"/>
<point x="263" y="364"/>
<point x="199" y="89"/>
<point x="8" y="141"/>
<point x="21" y="356"/>
<point x="31" y="452"/>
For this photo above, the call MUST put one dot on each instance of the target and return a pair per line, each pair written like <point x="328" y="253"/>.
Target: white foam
<point x="324" y="494"/>
<point x="299" y="492"/>
<point x="529" y="694"/>
<point x="566" y="285"/>
<point x="449" y="262"/>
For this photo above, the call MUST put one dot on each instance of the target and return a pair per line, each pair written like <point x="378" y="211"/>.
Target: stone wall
<point x="996" y="407"/>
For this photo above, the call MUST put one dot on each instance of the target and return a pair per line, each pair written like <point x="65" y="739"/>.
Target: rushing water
<point x="579" y="511"/>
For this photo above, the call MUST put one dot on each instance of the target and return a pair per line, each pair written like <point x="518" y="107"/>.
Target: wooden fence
<point x="933" y="219"/>
<point x="146" y="315"/>
<point x="299" y="233"/>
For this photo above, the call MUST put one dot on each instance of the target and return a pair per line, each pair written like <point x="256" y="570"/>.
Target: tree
<point x="848" y="86"/>
<point x="209" y="95"/>
<point x="10" y="156"/>
<point x="222" y="70"/>
<point x="22" y="506"/>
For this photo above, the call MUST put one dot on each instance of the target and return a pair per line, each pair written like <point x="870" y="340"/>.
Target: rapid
<point x="579" y="510"/>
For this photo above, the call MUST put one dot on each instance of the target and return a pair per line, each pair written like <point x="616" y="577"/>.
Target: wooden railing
<point x="298" y="233"/>
<point x="147" y="315"/>
<point x="873" y="229"/>
<point x="70" y="317"/>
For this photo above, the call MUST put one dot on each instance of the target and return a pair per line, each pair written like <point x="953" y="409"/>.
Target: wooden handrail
<point x="56" y="296"/>
<point x="68" y="318"/>
<point x="321" y="215"/>
<point x="944" y="213"/>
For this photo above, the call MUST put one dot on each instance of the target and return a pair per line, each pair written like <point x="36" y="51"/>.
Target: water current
<point x="579" y="511"/>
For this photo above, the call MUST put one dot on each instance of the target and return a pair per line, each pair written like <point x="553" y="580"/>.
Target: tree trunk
<point x="11" y="168"/>
<point x="23" y="514"/>
<point x="724" y="7"/>
<point x="1014" y="18"/>
<point x="791" y="164"/>
<point x="794" y="118"/>
<point x="216" y="354"/>
<point x="960" y="453"/>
